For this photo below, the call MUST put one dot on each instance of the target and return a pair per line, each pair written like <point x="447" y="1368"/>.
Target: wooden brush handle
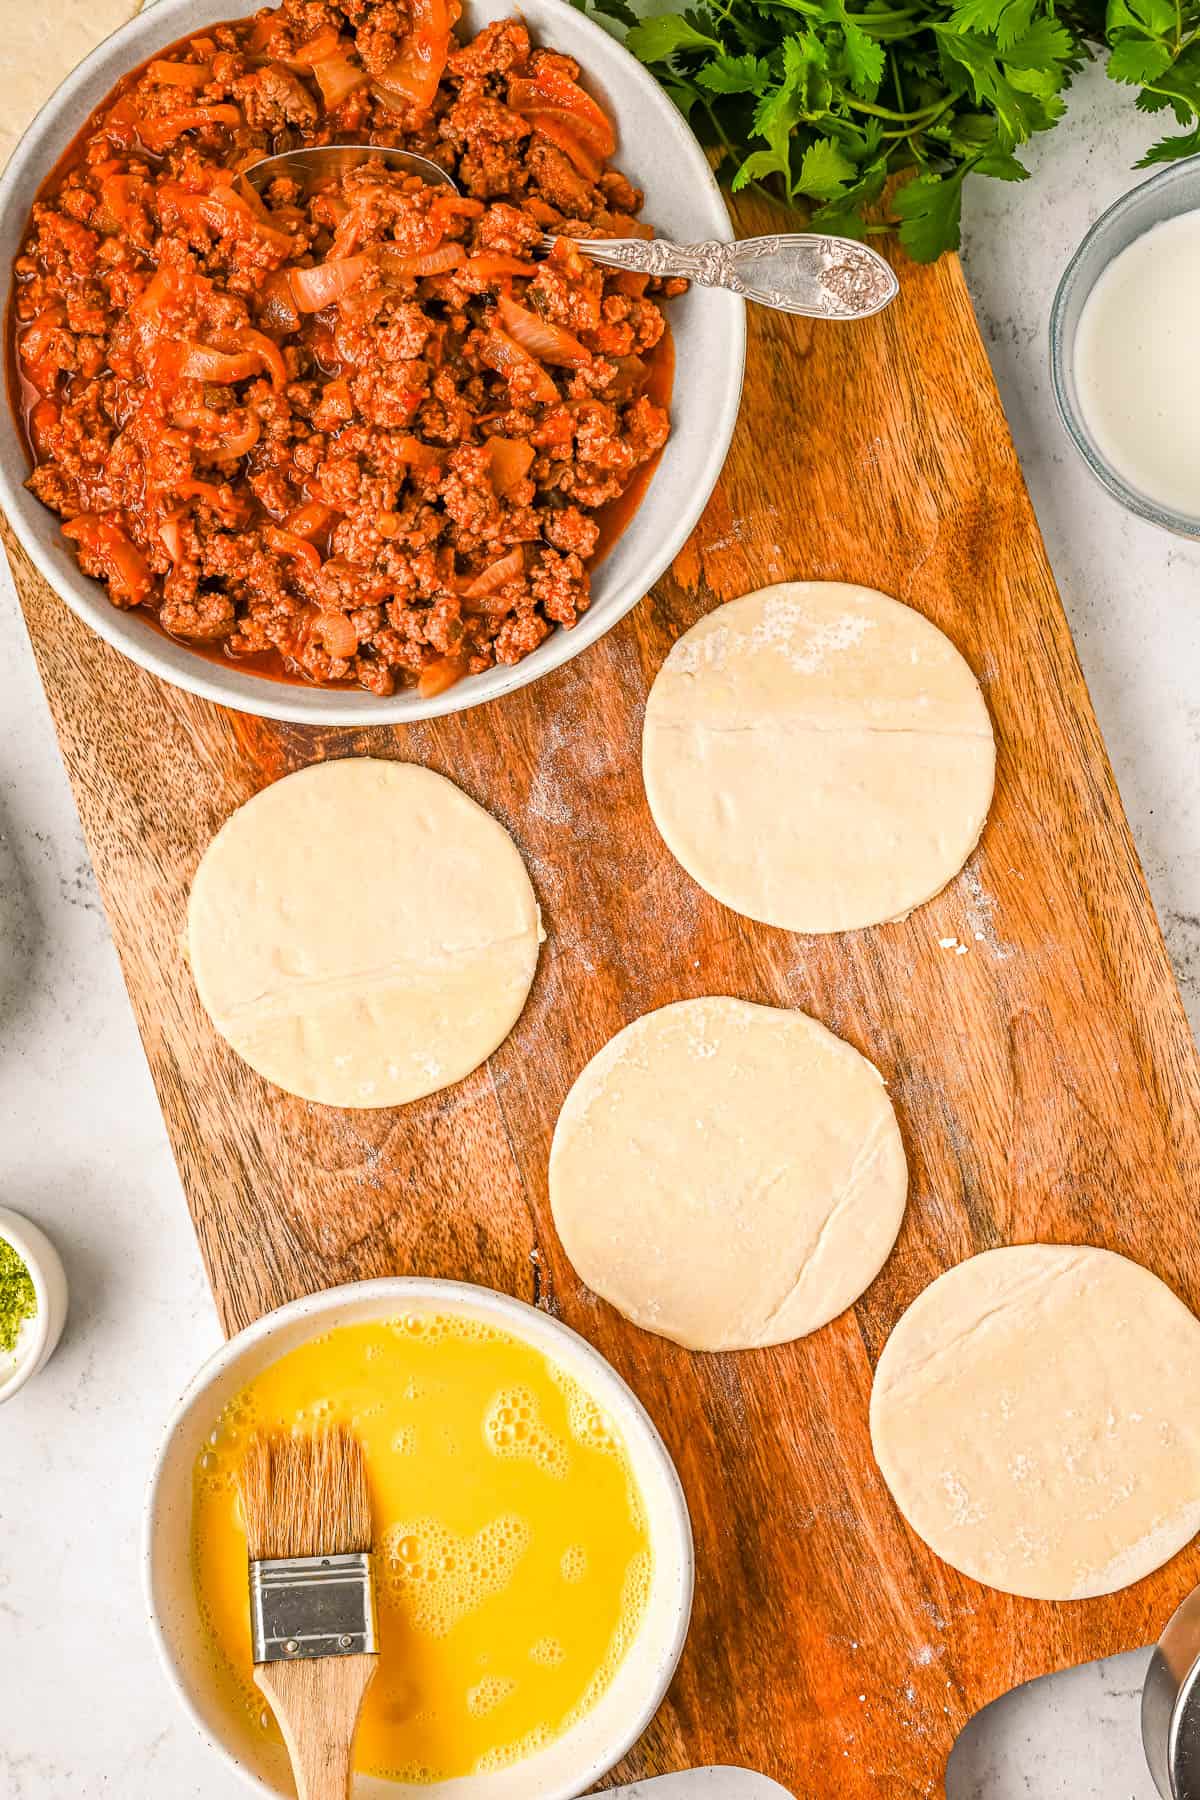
<point x="317" y="1703"/>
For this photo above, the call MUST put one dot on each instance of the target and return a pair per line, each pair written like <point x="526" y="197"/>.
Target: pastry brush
<point x="312" y="1605"/>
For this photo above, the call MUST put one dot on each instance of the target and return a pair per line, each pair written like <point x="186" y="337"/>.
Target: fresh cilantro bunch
<point x="822" y="101"/>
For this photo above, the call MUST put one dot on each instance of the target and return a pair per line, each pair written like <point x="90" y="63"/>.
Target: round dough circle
<point x="818" y="756"/>
<point x="1033" y="1416"/>
<point x="728" y="1175"/>
<point x="362" y="933"/>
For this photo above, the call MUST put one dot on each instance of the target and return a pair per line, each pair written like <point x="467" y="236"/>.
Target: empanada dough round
<point x="1034" y="1415"/>
<point x="362" y="933"/>
<point x="728" y="1175"/>
<point x="818" y="756"/>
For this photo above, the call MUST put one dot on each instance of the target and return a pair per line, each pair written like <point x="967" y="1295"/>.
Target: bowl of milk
<point x="1125" y="352"/>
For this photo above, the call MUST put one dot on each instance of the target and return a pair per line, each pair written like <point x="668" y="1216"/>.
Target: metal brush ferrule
<point x="306" y="1606"/>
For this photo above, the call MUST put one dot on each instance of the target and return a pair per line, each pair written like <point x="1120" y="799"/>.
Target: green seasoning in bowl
<point x="18" y="1297"/>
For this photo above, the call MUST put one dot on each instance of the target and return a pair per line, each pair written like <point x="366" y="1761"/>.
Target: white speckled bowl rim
<point x="50" y="1291"/>
<point x="576" y="1761"/>
<point x="656" y="149"/>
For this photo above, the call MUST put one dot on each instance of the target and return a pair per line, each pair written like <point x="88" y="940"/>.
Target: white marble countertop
<point x="83" y="1709"/>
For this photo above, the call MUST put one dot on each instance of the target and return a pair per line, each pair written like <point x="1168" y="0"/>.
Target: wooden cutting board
<point x="1046" y="1080"/>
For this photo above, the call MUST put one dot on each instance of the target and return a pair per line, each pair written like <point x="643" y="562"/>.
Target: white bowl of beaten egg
<point x="533" y="1552"/>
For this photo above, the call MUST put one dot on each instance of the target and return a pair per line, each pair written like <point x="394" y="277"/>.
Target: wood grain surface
<point x="1046" y="1081"/>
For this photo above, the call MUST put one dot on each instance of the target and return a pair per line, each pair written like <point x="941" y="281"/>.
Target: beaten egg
<point x="511" y="1548"/>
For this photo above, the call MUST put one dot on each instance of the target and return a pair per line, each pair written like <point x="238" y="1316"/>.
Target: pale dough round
<point x="728" y="1175"/>
<point x="818" y="757"/>
<point x="1034" y="1415"/>
<point x="362" y="933"/>
<point x="42" y="46"/>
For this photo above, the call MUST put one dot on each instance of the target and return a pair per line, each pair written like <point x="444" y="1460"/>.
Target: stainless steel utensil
<point x="800" y="272"/>
<point x="1171" y="1705"/>
<point x="705" y="1784"/>
<point x="797" y="272"/>
<point x="331" y="159"/>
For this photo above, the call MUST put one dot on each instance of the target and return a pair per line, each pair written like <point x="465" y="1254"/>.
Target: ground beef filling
<point x="362" y="427"/>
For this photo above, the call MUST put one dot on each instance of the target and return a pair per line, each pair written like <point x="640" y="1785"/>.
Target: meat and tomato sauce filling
<point x="364" y="427"/>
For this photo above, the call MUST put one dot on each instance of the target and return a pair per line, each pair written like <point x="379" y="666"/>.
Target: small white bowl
<point x="577" y="1760"/>
<point x="656" y="150"/>
<point x="40" y="1335"/>
<point x="1175" y="189"/>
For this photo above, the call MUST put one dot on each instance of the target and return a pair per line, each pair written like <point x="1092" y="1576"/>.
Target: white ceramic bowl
<point x="40" y="1335"/>
<point x="577" y="1760"/>
<point x="656" y="149"/>
<point x="1175" y="189"/>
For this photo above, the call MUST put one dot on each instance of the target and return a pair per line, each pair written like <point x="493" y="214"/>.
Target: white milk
<point x="1137" y="363"/>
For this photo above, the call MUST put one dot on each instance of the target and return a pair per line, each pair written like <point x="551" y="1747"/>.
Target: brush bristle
<point x="305" y="1494"/>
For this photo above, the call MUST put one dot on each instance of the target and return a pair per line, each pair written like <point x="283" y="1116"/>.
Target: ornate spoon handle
<point x="821" y="277"/>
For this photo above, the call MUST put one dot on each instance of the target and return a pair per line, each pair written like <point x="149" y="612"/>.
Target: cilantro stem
<point x="896" y="81"/>
<point x="909" y="119"/>
<point x="741" y="28"/>
<point x="722" y="11"/>
<point x="912" y="132"/>
<point x="715" y="122"/>
<point x="731" y="149"/>
<point x="1182" y="44"/>
<point x="885" y="16"/>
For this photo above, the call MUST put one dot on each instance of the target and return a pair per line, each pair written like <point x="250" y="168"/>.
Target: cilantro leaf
<point x="1001" y="164"/>
<point x="1045" y="47"/>
<point x="978" y="15"/>
<point x="617" y="10"/>
<point x="735" y="74"/>
<point x="1154" y="17"/>
<point x="683" y="95"/>
<point x="865" y="60"/>
<point x="824" y="171"/>
<point x="825" y="101"/>
<point x="802" y="87"/>
<point x="657" y="40"/>
<point x="844" y="214"/>
<point x="1181" y="83"/>
<point x="1005" y="20"/>
<point x="761" y="164"/>
<point x="930" y="210"/>
<point x="1169" y="148"/>
<point x="989" y="83"/>
<point x="1139" y="60"/>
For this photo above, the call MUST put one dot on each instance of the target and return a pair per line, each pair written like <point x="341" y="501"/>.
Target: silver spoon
<point x="800" y="272"/>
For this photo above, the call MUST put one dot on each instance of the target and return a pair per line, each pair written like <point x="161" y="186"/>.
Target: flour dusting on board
<point x="581" y="784"/>
<point x="548" y="799"/>
<point x="787" y="626"/>
<point x="980" y="907"/>
<point x="570" y="762"/>
<point x="369" y="1170"/>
